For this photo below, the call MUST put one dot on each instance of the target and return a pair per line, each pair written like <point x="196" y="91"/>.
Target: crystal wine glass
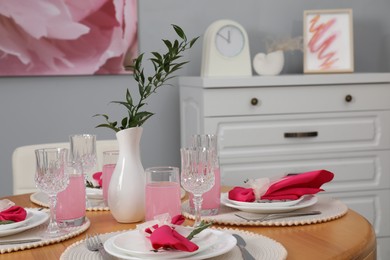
<point x="83" y="151"/>
<point x="197" y="174"/>
<point x="51" y="178"/>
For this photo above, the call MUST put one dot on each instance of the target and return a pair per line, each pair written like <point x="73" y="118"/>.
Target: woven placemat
<point x="261" y="247"/>
<point x="330" y="209"/>
<point x="41" y="199"/>
<point x="37" y="232"/>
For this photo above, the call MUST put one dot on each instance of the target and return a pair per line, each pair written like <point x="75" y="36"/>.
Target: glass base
<point x="71" y="222"/>
<point x="205" y="212"/>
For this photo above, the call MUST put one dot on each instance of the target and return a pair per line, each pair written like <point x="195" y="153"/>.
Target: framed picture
<point x="328" y="41"/>
<point x="57" y="37"/>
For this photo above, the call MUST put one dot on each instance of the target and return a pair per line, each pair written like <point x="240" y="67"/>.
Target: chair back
<point x="24" y="164"/>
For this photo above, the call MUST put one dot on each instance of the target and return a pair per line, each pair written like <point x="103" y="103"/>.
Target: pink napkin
<point x="14" y="213"/>
<point x="294" y="186"/>
<point x="242" y="194"/>
<point x="167" y="237"/>
<point x="98" y="176"/>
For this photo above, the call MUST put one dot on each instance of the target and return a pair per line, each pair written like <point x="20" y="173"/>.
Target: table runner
<point x="330" y="209"/>
<point x="261" y="247"/>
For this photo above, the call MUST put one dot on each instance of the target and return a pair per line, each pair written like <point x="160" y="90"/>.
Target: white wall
<point x="49" y="109"/>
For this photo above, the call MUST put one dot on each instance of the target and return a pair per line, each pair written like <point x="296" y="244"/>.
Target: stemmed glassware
<point x="83" y="151"/>
<point x="52" y="178"/>
<point x="197" y="174"/>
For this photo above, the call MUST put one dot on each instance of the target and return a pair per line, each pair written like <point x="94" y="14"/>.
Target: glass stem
<point x="198" y="207"/>
<point x="53" y="227"/>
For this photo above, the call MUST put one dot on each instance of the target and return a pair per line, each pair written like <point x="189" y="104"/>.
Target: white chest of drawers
<point x="269" y="126"/>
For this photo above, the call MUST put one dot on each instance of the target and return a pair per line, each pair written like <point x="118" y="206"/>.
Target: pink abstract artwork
<point x="67" y="37"/>
<point x="328" y="41"/>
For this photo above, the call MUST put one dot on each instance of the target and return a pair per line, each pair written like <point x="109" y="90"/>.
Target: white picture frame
<point x="328" y="41"/>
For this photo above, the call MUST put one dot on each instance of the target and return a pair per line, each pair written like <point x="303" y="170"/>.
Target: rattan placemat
<point x="330" y="209"/>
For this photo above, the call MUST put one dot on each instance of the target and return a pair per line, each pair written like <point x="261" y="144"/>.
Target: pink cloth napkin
<point x="294" y="186"/>
<point x="242" y="194"/>
<point x="98" y="176"/>
<point x="167" y="237"/>
<point x="14" y="213"/>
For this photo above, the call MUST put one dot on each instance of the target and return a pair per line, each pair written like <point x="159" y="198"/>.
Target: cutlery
<point x="19" y="241"/>
<point x="280" y="215"/>
<point x="95" y="244"/>
<point x="241" y="245"/>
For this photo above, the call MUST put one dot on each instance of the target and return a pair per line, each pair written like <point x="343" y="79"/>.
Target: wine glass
<point x="51" y="178"/>
<point x="211" y="198"/>
<point x="83" y="151"/>
<point x="197" y="174"/>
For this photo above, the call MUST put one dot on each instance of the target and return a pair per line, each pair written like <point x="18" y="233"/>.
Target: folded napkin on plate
<point x="13" y="213"/>
<point x="294" y="186"/>
<point x="98" y="177"/>
<point x="165" y="236"/>
<point x="242" y="194"/>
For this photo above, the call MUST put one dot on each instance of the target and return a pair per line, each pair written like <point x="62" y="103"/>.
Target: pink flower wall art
<point x="67" y="37"/>
<point x="328" y="41"/>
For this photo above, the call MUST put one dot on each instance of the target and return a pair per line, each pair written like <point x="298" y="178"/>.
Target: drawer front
<point x="373" y="205"/>
<point x="305" y="99"/>
<point x="302" y="134"/>
<point x="353" y="171"/>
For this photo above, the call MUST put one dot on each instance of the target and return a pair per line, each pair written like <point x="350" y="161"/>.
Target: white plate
<point x="37" y="218"/>
<point x="307" y="201"/>
<point x="17" y="224"/>
<point x="225" y="242"/>
<point x="93" y="193"/>
<point x="136" y="244"/>
<point x="267" y="203"/>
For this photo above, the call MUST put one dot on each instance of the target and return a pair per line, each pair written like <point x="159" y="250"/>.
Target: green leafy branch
<point x="164" y="67"/>
<point x="202" y="226"/>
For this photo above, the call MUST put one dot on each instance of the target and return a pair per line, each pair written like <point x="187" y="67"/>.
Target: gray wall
<point x="48" y="109"/>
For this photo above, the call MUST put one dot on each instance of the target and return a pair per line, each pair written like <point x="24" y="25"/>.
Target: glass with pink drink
<point x="162" y="192"/>
<point x="211" y="198"/>
<point x="71" y="202"/>
<point x="109" y="162"/>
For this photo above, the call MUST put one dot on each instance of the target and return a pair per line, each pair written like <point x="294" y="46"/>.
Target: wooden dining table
<point x="348" y="237"/>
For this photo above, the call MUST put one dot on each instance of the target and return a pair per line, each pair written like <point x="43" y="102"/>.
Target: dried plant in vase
<point x="272" y="62"/>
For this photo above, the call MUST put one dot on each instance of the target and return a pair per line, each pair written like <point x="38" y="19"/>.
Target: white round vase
<point x="126" y="192"/>
<point x="268" y="64"/>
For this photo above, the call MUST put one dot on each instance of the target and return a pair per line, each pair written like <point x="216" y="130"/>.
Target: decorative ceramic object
<point x="126" y="192"/>
<point x="268" y="64"/>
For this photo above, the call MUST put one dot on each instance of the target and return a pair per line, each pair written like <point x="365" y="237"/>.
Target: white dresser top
<point x="285" y="80"/>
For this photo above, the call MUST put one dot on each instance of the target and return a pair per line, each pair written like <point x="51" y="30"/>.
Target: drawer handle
<point x="300" y="134"/>
<point x="348" y="98"/>
<point x="254" y="101"/>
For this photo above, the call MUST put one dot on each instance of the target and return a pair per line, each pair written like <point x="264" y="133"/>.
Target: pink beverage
<point x="162" y="197"/>
<point x="70" y="208"/>
<point x="211" y="198"/>
<point x="107" y="171"/>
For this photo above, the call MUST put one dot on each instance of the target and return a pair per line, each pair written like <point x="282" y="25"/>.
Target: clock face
<point x="229" y="41"/>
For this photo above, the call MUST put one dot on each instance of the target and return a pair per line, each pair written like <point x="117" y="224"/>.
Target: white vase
<point x="268" y="64"/>
<point x="126" y="192"/>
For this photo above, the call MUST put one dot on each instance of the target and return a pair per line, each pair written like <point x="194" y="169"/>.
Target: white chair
<point x="24" y="164"/>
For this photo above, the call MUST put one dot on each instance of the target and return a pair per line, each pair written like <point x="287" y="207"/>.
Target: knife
<point x="241" y="245"/>
<point x="19" y="241"/>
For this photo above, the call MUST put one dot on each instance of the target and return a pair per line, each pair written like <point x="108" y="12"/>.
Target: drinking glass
<point x="109" y="162"/>
<point x="71" y="202"/>
<point x="83" y="151"/>
<point x="197" y="174"/>
<point x="211" y="199"/>
<point x="51" y="178"/>
<point x="162" y="192"/>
